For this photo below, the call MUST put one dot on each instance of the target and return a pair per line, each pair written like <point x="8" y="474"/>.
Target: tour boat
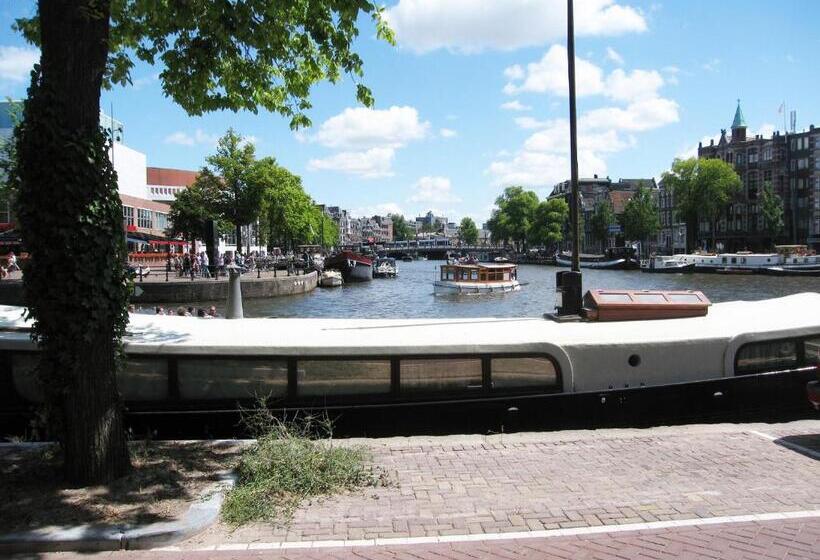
<point x="354" y="267"/>
<point x="330" y="279"/>
<point x="615" y="258"/>
<point x="756" y="354"/>
<point x="478" y="278"/>
<point x="666" y="264"/>
<point x="385" y="267"/>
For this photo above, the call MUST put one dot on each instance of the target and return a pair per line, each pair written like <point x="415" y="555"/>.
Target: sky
<point x="473" y="98"/>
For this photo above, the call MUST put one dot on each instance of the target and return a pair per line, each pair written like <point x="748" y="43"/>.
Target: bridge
<point x="432" y="248"/>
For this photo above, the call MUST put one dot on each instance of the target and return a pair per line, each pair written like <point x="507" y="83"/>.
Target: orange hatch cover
<point x="633" y="305"/>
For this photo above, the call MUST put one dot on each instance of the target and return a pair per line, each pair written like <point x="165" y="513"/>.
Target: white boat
<point x="385" y="267"/>
<point x="330" y="279"/>
<point x="761" y="353"/>
<point x="477" y="278"/>
<point x="787" y="257"/>
<point x="666" y="264"/>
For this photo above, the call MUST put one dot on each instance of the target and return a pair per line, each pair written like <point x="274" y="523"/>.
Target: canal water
<point x="411" y="294"/>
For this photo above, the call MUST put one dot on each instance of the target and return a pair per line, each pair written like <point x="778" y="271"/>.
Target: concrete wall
<point x="185" y="291"/>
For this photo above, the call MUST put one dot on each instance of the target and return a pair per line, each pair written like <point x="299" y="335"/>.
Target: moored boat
<point x="354" y="267"/>
<point x="477" y="278"/>
<point x="330" y="279"/>
<point x="385" y="267"/>
<point x="615" y="258"/>
<point x="786" y="257"/>
<point x="665" y="264"/>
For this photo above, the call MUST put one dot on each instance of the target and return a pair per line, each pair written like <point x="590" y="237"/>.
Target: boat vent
<point x="635" y="305"/>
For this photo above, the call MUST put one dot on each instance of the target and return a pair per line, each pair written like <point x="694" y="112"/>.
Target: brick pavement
<point x="462" y="485"/>
<point x="784" y="539"/>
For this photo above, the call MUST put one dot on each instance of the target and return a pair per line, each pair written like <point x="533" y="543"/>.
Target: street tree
<point x="214" y="55"/>
<point x="548" y="223"/>
<point x="640" y="217"/>
<point x="771" y="207"/>
<point x="194" y="207"/>
<point x="602" y="217"/>
<point x="516" y="208"/>
<point x="497" y="226"/>
<point x="702" y="189"/>
<point x="401" y="229"/>
<point x="467" y="231"/>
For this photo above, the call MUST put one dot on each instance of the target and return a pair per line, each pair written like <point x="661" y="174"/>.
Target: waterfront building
<point x="790" y="162"/>
<point x="672" y="233"/>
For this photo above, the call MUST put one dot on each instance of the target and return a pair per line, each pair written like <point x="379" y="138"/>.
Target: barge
<point x="354" y="267"/>
<point x="751" y="354"/>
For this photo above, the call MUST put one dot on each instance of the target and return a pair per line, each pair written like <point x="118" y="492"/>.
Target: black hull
<point x="778" y="271"/>
<point x="763" y="397"/>
<point x="613" y="264"/>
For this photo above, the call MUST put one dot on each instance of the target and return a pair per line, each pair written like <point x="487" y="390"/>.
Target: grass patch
<point x="293" y="459"/>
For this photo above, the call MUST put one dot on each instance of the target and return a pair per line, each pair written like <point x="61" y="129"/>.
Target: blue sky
<point x="473" y="98"/>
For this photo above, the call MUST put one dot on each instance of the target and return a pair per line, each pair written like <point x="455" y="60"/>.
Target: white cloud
<point x="623" y="86"/>
<point x="470" y="26"/>
<point x="613" y="56"/>
<point x="670" y="74"/>
<point x="536" y="169"/>
<point x="529" y="123"/>
<point x="712" y="65"/>
<point x="377" y="210"/>
<point x="198" y="137"/>
<point x="433" y="189"/>
<point x="370" y="164"/>
<point x="515" y="105"/>
<point x="644" y="114"/>
<point x="362" y="128"/>
<point x="447" y="132"/>
<point x="16" y="62"/>
<point x="514" y="72"/>
<point x="549" y="75"/>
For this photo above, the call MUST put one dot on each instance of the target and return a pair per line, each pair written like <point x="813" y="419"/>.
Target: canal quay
<point x="410" y="295"/>
<point x="701" y="491"/>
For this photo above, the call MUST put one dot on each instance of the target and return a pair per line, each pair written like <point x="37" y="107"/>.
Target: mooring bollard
<point x="234" y="293"/>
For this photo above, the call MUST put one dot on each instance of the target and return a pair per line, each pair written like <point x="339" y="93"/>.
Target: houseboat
<point x="354" y="267"/>
<point x="476" y="278"/>
<point x="786" y="258"/>
<point x="756" y="355"/>
<point x="615" y="258"/>
<point x="666" y="265"/>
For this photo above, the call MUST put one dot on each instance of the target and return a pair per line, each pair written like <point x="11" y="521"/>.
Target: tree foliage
<point x="548" y="223"/>
<point x="215" y="55"/>
<point x="602" y="217"/>
<point x="514" y="216"/>
<point x="771" y="207"/>
<point x="702" y="189"/>
<point x="467" y="231"/>
<point x="194" y="206"/>
<point x="401" y="229"/>
<point x="640" y="217"/>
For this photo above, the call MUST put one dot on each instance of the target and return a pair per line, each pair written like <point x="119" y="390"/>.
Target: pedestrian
<point x="11" y="262"/>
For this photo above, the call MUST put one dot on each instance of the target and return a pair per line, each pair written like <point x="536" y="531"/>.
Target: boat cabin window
<point x="464" y="274"/>
<point x="225" y="378"/>
<point x="510" y="373"/>
<point x="812" y="346"/>
<point x="143" y="379"/>
<point x="760" y="357"/>
<point x="447" y="375"/>
<point x="473" y="275"/>
<point x="342" y="377"/>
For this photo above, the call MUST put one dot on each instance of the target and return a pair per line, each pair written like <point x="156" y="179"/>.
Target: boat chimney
<point x="234" y="293"/>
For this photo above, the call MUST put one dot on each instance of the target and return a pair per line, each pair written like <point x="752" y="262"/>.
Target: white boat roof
<point x="152" y="334"/>
<point x="483" y="265"/>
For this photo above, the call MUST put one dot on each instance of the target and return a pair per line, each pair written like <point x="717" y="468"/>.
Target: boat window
<point x="473" y="275"/>
<point x="683" y="298"/>
<point x="232" y="378"/>
<point x="523" y="372"/>
<point x="614" y="298"/>
<point x="143" y="379"/>
<point x="342" y="377"/>
<point x="813" y="351"/>
<point x="464" y="275"/>
<point x="23" y="370"/>
<point x="760" y="357"/>
<point x="649" y="298"/>
<point x="506" y="275"/>
<point x="440" y="375"/>
<point x="483" y="276"/>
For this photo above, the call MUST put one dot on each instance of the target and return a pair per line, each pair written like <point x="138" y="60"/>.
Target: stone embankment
<point x="155" y="289"/>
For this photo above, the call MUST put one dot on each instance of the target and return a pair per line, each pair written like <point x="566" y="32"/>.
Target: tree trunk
<point x="691" y="234"/>
<point x="75" y="285"/>
<point x="238" y="238"/>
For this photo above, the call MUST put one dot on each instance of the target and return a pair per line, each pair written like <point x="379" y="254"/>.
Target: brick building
<point x="790" y="163"/>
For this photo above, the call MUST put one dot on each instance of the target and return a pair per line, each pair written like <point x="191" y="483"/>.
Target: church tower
<point x="738" y="125"/>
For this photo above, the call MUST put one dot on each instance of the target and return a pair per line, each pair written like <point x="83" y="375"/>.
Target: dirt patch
<point x="165" y="479"/>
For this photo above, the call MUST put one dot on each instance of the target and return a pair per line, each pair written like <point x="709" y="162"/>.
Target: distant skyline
<point x="473" y="98"/>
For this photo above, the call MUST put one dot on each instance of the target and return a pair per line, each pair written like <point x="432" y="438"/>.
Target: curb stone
<point x="88" y="538"/>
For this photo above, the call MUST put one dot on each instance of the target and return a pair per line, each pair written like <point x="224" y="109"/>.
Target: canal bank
<point x="155" y="289"/>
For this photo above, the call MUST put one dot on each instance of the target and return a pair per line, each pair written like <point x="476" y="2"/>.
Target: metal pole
<point x="573" y="139"/>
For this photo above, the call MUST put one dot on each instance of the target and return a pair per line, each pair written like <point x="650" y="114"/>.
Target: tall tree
<point x="548" y="223"/>
<point x="401" y="229"/>
<point x="467" y="231"/>
<point x="516" y="209"/>
<point x="702" y="189"/>
<point x="601" y="219"/>
<point x="215" y="55"/>
<point x="771" y="207"/>
<point x="640" y="218"/>
<point x="194" y="206"/>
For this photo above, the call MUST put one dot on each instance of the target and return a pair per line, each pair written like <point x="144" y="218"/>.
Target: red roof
<point x="136" y="202"/>
<point x="166" y="177"/>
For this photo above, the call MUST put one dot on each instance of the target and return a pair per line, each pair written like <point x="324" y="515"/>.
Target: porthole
<point x="634" y="360"/>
